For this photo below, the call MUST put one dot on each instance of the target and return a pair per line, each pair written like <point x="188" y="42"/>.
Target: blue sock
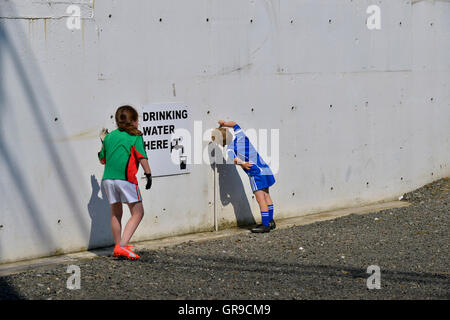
<point x="270" y="212"/>
<point x="265" y="218"/>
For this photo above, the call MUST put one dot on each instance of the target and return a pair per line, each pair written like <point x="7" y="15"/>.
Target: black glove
<point x="149" y="180"/>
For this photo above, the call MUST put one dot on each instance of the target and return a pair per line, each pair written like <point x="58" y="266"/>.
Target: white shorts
<point x="121" y="191"/>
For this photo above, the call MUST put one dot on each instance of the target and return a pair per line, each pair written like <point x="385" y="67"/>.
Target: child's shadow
<point x="99" y="211"/>
<point x="232" y="189"/>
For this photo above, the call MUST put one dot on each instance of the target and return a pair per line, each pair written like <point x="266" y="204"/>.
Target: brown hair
<point x="125" y="116"/>
<point x="222" y="134"/>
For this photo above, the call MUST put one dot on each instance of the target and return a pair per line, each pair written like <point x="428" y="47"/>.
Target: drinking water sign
<point x="167" y="130"/>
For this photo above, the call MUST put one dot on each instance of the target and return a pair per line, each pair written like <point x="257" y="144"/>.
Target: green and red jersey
<point x="121" y="153"/>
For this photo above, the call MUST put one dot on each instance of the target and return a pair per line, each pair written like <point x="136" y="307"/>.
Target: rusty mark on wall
<point x="83" y="135"/>
<point x="45" y="29"/>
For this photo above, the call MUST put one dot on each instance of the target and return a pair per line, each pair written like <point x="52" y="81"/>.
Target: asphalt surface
<point x="323" y="260"/>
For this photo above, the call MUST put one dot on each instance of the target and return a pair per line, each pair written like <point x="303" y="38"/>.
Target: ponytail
<point x="125" y="116"/>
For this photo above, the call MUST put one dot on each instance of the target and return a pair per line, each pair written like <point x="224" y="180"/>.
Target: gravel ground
<point x="323" y="260"/>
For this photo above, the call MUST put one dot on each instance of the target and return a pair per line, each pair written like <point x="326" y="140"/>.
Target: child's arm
<point x="145" y="165"/>
<point x="148" y="173"/>
<point x="102" y="155"/>
<point x="243" y="164"/>
<point x="237" y="161"/>
<point x="229" y="124"/>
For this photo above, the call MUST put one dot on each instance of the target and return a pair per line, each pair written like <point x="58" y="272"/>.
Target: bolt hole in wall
<point x="1" y="226"/>
<point x="59" y="221"/>
<point x="56" y="119"/>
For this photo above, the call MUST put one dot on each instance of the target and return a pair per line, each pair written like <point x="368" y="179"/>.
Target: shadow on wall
<point x="16" y="171"/>
<point x="231" y="189"/>
<point x="15" y="49"/>
<point x="99" y="211"/>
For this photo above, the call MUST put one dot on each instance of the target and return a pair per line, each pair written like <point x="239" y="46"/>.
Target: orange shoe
<point x="129" y="246"/>
<point x="125" y="252"/>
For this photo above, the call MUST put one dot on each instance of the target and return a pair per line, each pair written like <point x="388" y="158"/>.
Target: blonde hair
<point x="223" y="136"/>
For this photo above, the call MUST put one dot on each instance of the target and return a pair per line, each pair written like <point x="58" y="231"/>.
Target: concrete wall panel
<point x="362" y="115"/>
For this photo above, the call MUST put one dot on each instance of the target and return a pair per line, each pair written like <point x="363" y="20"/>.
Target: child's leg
<point x="137" y="213"/>
<point x="261" y="198"/>
<point x="268" y="198"/>
<point x="269" y="204"/>
<point x="116" y="221"/>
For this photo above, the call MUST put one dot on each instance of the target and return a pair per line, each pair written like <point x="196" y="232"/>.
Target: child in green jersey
<point x="122" y="152"/>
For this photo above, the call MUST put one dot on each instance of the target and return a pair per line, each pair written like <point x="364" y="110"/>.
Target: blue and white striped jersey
<point x="242" y="148"/>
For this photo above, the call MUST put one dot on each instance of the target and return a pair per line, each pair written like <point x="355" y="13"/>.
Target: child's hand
<point x="149" y="181"/>
<point x="246" y="165"/>
<point x="103" y="134"/>
<point x="229" y="124"/>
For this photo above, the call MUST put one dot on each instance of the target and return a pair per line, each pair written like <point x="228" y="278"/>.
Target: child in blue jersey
<point x="261" y="177"/>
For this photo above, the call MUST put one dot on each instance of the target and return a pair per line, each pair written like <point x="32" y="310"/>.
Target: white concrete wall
<point x="363" y="115"/>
